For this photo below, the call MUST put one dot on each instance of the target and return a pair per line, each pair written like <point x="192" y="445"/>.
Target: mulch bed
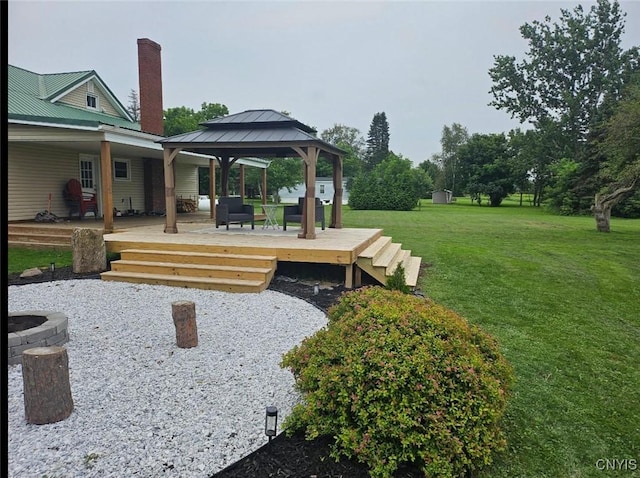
<point x="283" y="457"/>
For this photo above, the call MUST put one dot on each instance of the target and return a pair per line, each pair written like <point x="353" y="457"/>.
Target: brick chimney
<point x="150" y="81"/>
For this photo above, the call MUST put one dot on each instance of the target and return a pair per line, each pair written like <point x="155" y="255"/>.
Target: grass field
<point x="564" y="302"/>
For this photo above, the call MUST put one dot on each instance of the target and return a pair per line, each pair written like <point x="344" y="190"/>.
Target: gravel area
<point x="144" y="407"/>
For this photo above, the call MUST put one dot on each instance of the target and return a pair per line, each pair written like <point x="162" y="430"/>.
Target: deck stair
<point x="202" y="270"/>
<point x="381" y="258"/>
<point x="41" y="237"/>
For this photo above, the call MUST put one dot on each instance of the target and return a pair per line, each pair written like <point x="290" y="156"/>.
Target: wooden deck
<point x="238" y="260"/>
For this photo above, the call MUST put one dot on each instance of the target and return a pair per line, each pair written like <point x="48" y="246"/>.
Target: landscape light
<point x="52" y="268"/>
<point x="316" y="289"/>
<point x="271" y="422"/>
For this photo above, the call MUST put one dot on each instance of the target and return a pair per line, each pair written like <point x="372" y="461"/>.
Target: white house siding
<point x="132" y="188"/>
<point x="78" y="97"/>
<point x="33" y="172"/>
<point x="186" y="181"/>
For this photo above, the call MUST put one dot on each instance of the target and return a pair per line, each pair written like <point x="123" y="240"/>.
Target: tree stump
<point x="47" y="392"/>
<point x="184" y="318"/>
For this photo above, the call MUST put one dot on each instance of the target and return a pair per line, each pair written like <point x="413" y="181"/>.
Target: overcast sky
<point x="425" y="63"/>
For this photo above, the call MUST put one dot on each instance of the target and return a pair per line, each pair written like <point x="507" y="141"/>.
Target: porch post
<point x="212" y="188"/>
<point x="242" y="181"/>
<point x="170" y="154"/>
<point x="336" y="207"/>
<point x="264" y="186"/>
<point x="107" y="186"/>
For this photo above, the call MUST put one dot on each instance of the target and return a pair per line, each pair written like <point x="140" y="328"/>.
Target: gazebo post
<point x="170" y="154"/>
<point x="336" y="207"/>
<point x="212" y="188"/>
<point x="264" y="186"/>
<point x="242" y="181"/>
<point x="310" y="158"/>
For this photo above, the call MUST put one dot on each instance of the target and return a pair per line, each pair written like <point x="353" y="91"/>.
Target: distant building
<point x="324" y="191"/>
<point x="442" y="197"/>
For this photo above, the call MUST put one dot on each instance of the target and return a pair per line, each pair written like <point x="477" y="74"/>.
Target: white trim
<point x="54" y="125"/>
<point x="113" y="100"/>
<point x="97" y="101"/>
<point x="127" y="162"/>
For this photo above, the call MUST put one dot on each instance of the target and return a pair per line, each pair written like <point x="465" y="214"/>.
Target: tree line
<point x="577" y="90"/>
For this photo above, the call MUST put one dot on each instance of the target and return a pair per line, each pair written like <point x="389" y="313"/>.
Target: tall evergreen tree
<point x="377" y="141"/>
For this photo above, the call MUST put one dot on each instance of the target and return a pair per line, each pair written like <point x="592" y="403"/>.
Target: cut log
<point x="184" y="319"/>
<point x="47" y="391"/>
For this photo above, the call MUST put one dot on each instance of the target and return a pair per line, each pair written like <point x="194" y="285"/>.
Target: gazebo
<point x="256" y="133"/>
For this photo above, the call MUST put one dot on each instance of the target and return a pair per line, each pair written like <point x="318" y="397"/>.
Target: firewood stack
<point x="186" y="205"/>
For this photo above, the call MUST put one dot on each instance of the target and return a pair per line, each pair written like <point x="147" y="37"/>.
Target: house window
<point x="322" y="189"/>
<point x="92" y="101"/>
<point x="121" y="170"/>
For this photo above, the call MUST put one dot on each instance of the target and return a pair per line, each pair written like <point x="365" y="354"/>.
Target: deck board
<point x="331" y="246"/>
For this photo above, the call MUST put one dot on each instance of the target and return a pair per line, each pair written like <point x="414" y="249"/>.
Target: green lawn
<point x="564" y="302"/>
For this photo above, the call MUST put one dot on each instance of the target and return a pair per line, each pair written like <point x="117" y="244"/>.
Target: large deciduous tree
<point x="572" y="69"/>
<point x="487" y="161"/>
<point x="377" y="141"/>
<point x="572" y="76"/>
<point x="621" y="148"/>
<point x="349" y="139"/>
<point x="453" y="137"/>
<point x="182" y="119"/>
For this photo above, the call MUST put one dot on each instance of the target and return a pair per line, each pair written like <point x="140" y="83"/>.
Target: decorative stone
<point x="184" y="319"/>
<point x="89" y="251"/>
<point x="34" y="272"/>
<point x="47" y="391"/>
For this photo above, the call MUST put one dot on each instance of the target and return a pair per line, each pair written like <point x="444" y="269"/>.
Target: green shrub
<point x="398" y="281"/>
<point x="396" y="379"/>
<point x="393" y="185"/>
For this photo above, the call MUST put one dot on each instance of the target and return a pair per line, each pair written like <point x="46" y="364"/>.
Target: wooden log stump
<point x="47" y="392"/>
<point x="184" y="318"/>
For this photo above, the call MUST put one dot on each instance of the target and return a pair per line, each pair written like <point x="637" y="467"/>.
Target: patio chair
<point x="78" y="201"/>
<point x="294" y="213"/>
<point x="232" y="210"/>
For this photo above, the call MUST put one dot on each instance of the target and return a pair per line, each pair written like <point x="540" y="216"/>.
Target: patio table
<point x="270" y="213"/>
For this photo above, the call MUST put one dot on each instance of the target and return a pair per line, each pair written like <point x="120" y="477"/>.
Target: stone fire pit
<point x="34" y="328"/>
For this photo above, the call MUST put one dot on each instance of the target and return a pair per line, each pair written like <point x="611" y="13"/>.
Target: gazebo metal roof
<point x="265" y="133"/>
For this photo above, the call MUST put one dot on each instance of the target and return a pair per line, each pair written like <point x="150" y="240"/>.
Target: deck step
<point x="37" y="245"/>
<point x="412" y="270"/>
<point x="192" y="270"/>
<point x="202" y="258"/>
<point x="36" y="236"/>
<point x="387" y="255"/>
<point x="209" y="283"/>
<point x="202" y="270"/>
<point x="375" y="249"/>
<point x="381" y="259"/>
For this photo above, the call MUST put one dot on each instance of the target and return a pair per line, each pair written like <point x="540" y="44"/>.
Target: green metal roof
<point x="30" y="94"/>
